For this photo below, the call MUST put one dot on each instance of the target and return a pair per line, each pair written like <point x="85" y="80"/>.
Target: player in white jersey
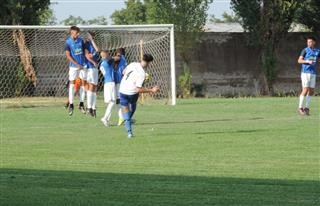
<point x="131" y="86"/>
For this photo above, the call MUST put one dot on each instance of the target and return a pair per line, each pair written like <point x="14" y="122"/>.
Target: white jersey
<point x="133" y="77"/>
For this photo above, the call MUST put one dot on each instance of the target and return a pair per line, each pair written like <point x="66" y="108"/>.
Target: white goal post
<point x="33" y="62"/>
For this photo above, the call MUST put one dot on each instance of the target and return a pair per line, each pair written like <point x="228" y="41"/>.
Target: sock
<point x="127" y="124"/>
<point x="71" y="93"/>
<point x="120" y="112"/>
<point x="94" y="100"/>
<point x="107" y="114"/>
<point x="89" y="99"/>
<point x="308" y="101"/>
<point x="301" y="99"/>
<point x="82" y="94"/>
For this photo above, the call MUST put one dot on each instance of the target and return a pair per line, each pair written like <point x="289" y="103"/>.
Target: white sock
<point x="94" y="100"/>
<point x="82" y="93"/>
<point x="308" y="101"/>
<point x="301" y="99"/>
<point x="89" y="99"/>
<point x="71" y="93"/>
<point x="107" y="114"/>
<point x="120" y="112"/>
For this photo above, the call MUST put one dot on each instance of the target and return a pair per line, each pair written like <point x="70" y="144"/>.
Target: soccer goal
<point x="33" y="62"/>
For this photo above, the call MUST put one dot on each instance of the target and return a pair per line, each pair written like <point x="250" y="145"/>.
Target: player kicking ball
<point x="109" y="87"/>
<point x="130" y="87"/>
<point x="75" y="53"/>
<point x="308" y="59"/>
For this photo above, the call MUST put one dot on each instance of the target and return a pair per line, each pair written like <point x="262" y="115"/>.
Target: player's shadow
<point x="39" y="187"/>
<point x="195" y="121"/>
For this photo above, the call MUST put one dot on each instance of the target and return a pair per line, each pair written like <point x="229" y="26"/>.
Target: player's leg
<point x="310" y="93"/>
<point x="89" y="92"/>
<point x="305" y="85"/>
<point x="125" y="101"/>
<point x="95" y="77"/>
<point x="82" y="91"/>
<point x="73" y="74"/>
<point x="120" y="116"/>
<point x="110" y="101"/>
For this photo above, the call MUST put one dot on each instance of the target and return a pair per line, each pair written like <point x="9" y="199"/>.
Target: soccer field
<point x="254" y="151"/>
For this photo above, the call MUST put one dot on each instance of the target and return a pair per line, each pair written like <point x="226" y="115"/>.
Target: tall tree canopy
<point x="23" y="12"/>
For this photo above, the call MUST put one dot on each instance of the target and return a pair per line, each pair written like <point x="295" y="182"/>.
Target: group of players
<point x="122" y="82"/>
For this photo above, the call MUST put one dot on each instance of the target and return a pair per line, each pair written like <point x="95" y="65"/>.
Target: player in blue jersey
<point x="308" y="59"/>
<point x="109" y="88"/>
<point x="119" y="66"/>
<point x="92" y="74"/>
<point x="75" y="53"/>
<point x="130" y="87"/>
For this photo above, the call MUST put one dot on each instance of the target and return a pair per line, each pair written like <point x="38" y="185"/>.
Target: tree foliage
<point x="29" y="12"/>
<point x="77" y="20"/>
<point x="226" y="18"/>
<point x="309" y="15"/>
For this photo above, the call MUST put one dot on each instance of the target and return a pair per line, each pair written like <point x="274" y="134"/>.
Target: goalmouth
<point x="33" y="62"/>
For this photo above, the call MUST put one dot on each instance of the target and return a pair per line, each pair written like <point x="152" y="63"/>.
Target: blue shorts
<point x="126" y="100"/>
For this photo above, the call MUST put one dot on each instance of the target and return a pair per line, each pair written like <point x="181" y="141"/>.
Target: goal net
<point x="33" y="62"/>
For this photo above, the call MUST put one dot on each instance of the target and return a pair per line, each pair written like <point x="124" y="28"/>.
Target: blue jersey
<point x="89" y="46"/>
<point x="76" y="48"/>
<point x="106" y="69"/>
<point x="118" y="73"/>
<point x="310" y="54"/>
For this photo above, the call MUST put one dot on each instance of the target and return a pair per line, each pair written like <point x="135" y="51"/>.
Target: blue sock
<point x="133" y="108"/>
<point x="127" y="118"/>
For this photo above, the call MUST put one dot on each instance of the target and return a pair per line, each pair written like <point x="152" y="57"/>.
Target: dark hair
<point x="75" y="28"/>
<point x="147" y="58"/>
<point x="92" y="33"/>
<point x="121" y="51"/>
<point x="312" y="38"/>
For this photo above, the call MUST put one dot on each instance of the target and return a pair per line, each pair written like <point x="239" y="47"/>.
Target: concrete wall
<point x="223" y="65"/>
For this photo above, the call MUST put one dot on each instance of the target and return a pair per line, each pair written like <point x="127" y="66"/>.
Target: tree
<point x="17" y="12"/>
<point x="100" y="20"/>
<point x="267" y="22"/>
<point x="134" y="13"/>
<point x="23" y="12"/>
<point x="74" y="20"/>
<point x="226" y="18"/>
<point x="309" y="15"/>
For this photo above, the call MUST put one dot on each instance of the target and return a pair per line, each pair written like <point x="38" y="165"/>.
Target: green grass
<point x="254" y="151"/>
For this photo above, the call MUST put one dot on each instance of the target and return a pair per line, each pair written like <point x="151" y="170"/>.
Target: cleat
<point x="130" y="135"/>
<point x="307" y="111"/>
<point x="94" y="112"/>
<point x="71" y="109"/>
<point x="90" y="112"/>
<point x="81" y="108"/>
<point x="120" y="122"/>
<point x="105" y="122"/>
<point x="301" y="111"/>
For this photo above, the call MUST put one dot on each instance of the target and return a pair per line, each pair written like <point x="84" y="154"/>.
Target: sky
<point x="89" y="9"/>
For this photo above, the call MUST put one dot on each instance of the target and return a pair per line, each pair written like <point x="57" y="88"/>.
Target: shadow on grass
<point x="196" y="121"/>
<point x="37" y="187"/>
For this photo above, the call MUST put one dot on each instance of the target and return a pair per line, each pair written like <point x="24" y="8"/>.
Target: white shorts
<point x="308" y="80"/>
<point x="92" y="76"/>
<point x="109" y="92"/>
<point x="75" y="73"/>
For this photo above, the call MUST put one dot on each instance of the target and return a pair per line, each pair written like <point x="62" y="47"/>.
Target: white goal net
<point x="33" y="62"/>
